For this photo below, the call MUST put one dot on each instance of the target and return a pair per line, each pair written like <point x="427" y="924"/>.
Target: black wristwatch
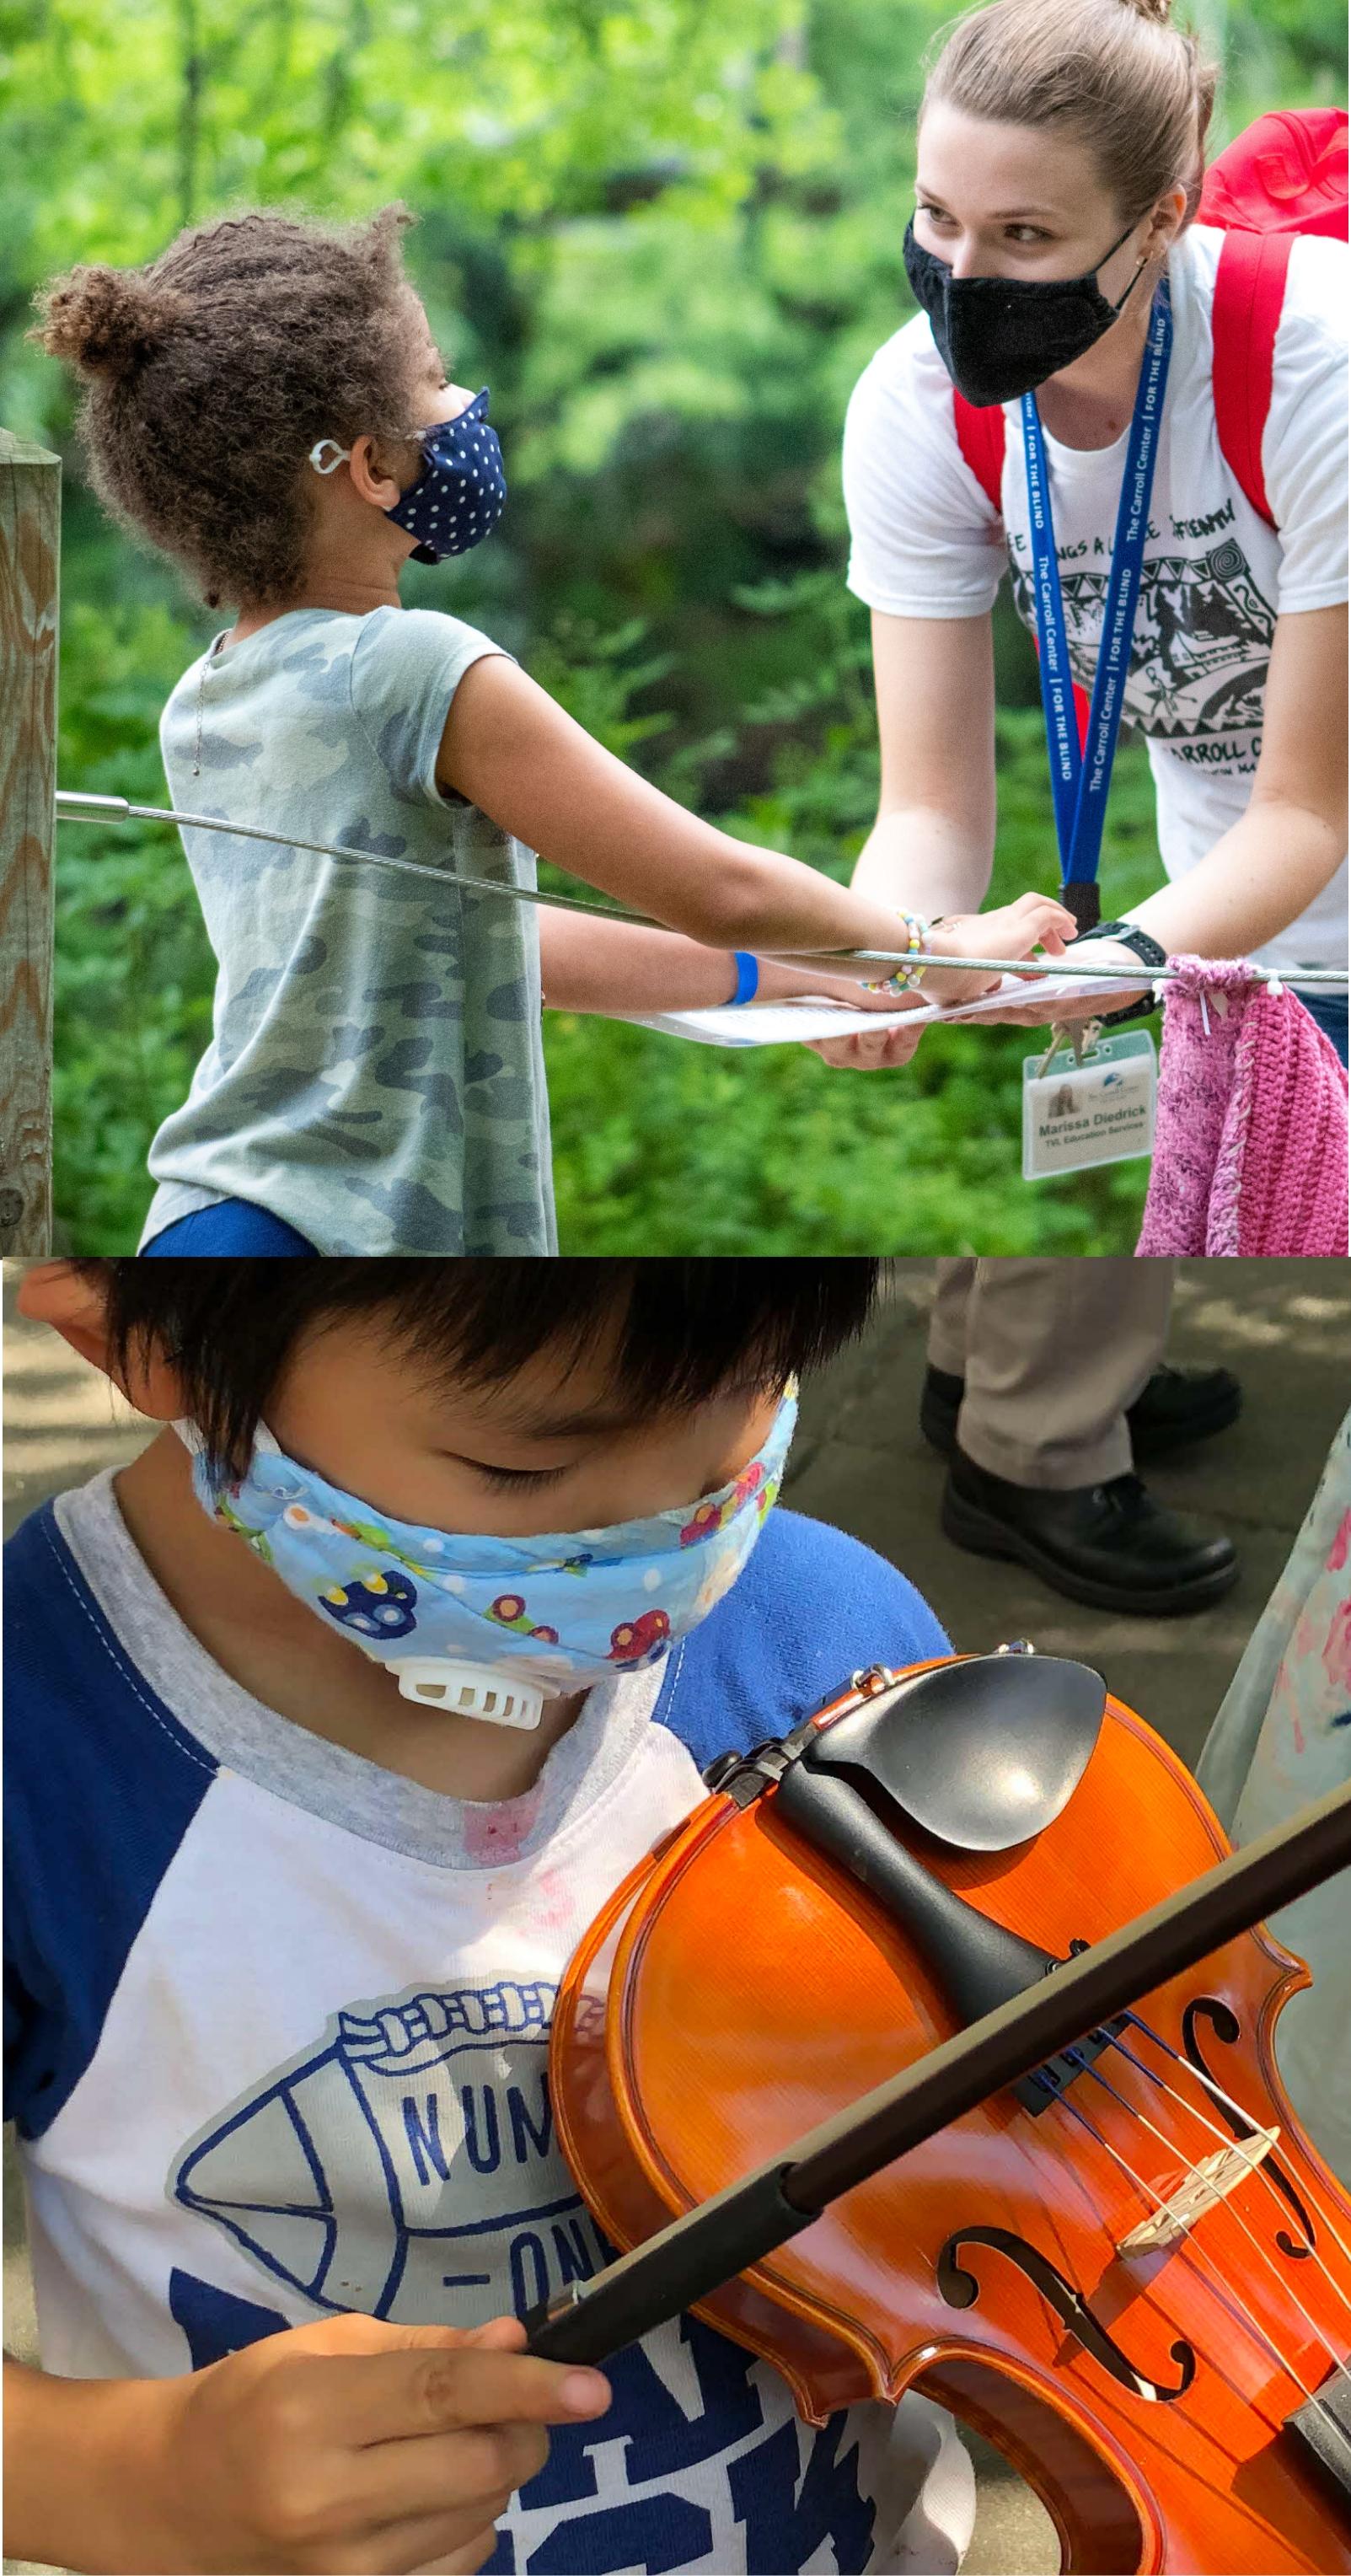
<point x="1129" y="935"/>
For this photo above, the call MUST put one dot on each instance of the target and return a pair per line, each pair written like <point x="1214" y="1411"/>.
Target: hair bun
<point x="107" y="321"/>
<point x="1159" y="12"/>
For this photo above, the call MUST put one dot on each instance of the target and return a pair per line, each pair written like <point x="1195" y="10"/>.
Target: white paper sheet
<point x="781" y="1023"/>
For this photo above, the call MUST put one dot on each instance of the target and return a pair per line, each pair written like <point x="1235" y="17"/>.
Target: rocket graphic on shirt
<point x="407" y="2165"/>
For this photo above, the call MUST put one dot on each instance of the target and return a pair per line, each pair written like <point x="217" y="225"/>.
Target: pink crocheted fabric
<point x="1250" y="1147"/>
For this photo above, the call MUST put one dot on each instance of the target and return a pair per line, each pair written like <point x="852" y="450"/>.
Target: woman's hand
<point x="1012" y="930"/>
<point x="866" y="1051"/>
<point x="873" y="1051"/>
<point x="1035" y="1014"/>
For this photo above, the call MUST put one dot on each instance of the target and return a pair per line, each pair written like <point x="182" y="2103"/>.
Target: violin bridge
<point x="1203" y="2188"/>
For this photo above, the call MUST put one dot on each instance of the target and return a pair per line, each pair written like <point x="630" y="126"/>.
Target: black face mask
<point x="999" y="337"/>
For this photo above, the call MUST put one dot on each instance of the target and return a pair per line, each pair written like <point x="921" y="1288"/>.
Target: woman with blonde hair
<point x="1052" y="409"/>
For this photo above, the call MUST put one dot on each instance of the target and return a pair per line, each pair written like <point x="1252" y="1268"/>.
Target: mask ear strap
<point x="1111" y="254"/>
<point x="1124" y="299"/>
<point x="195" y="1444"/>
<point x="340" y="454"/>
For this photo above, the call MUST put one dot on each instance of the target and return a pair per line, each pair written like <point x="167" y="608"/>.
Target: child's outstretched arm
<point x="342" y="2444"/>
<point x="611" y="966"/>
<point x="523" y="761"/>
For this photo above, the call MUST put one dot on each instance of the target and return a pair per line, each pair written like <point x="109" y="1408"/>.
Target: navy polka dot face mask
<point x="460" y="494"/>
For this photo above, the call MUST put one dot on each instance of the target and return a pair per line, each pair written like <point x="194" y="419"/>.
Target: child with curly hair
<point x="266" y="404"/>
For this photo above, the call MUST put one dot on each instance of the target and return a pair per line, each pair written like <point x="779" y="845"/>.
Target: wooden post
<point x="30" y="557"/>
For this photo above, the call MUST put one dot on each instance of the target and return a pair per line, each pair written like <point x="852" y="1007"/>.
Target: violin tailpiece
<point x="1322" y="2426"/>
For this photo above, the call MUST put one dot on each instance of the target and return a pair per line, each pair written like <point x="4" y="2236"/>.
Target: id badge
<point x="1101" y="1111"/>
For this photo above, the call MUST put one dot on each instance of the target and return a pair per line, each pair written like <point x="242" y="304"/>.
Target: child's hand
<point x="813" y="984"/>
<point x="866" y="1053"/>
<point x="1035" y="920"/>
<point x="1013" y="930"/>
<point x="354" y="2446"/>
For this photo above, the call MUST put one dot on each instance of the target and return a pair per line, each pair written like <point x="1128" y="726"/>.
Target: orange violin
<point x="1130" y="2269"/>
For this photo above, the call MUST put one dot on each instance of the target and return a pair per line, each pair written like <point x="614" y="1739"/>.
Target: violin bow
<point x="695" y="2255"/>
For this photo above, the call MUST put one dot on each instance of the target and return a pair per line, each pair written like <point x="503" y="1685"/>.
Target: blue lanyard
<point x="1079" y="781"/>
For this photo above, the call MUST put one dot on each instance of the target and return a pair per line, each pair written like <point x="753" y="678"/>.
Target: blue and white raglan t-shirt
<point x="277" y="2028"/>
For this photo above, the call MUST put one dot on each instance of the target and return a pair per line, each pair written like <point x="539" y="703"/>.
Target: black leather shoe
<point x="1176" y="1405"/>
<point x="939" y="1405"/>
<point x="1180" y="1404"/>
<point x="1111" y="1545"/>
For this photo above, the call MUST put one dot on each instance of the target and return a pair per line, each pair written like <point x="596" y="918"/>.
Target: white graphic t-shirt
<point x="926" y="543"/>
<point x="277" y="2037"/>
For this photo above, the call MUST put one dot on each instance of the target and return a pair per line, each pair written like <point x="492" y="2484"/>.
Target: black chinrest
<point x="983" y="1752"/>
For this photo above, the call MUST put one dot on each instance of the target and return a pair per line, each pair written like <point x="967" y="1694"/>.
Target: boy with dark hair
<point x="333" y="1720"/>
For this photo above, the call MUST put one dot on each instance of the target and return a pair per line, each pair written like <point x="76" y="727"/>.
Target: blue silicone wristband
<point x="747" y="976"/>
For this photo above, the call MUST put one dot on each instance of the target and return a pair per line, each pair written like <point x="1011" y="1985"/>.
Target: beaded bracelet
<point x="906" y="978"/>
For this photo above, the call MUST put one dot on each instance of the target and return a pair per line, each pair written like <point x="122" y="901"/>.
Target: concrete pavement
<point x="1283" y="1327"/>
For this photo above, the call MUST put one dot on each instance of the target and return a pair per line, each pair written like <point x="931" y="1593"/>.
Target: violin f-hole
<point x="1225" y="2025"/>
<point x="961" y="2289"/>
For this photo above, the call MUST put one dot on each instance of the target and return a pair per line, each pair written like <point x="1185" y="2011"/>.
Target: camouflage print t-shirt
<point x="375" y="1075"/>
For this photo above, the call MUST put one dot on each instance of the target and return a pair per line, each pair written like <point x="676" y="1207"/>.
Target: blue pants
<point x="233" y="1227"/>
<point x="1329" y="1009"/>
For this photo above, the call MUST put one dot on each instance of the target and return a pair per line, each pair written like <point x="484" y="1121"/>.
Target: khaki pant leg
<point x="1052" y="1353"/>
<point x="948" y="1316"/>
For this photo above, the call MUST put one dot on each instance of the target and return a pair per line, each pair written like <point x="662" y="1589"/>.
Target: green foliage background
<point x="668" y="233"/>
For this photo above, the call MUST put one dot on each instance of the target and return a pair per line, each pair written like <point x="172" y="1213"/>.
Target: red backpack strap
<point x="1249" y="294"/>
<point x="980" y="436"/>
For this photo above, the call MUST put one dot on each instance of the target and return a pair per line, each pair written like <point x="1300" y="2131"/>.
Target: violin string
<point x="1268" y="2182"/>
<point x="1339" y="2365"/>
<point x="1217" y="2090"/>
<point x="1341" y="2368"/>
<point x="1201" y="2255"/>
<point x="1149" y="2192"/>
